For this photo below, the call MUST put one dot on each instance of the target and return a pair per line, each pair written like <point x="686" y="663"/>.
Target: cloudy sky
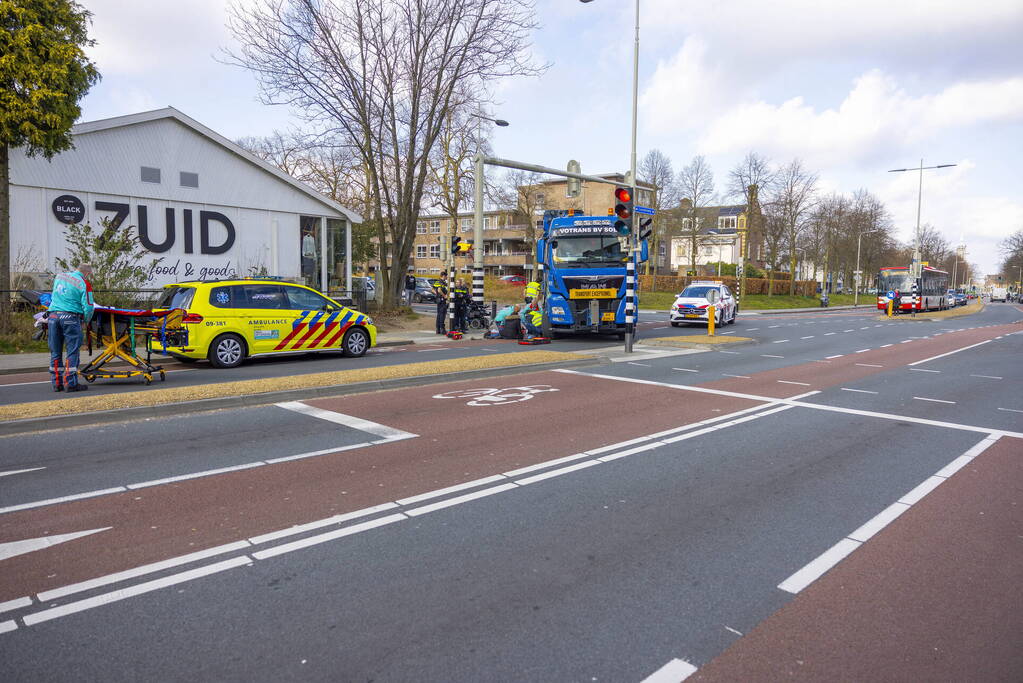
<point x="851" y="88"/>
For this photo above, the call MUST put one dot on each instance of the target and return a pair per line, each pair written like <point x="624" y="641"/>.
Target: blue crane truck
<point x="584" y="262"/>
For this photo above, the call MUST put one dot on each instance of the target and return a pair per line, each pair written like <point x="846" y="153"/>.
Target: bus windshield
<point x="590" y="251"/>
<point x="892" y="280"/>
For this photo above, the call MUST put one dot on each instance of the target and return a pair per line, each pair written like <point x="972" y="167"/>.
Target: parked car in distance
<point x="961" y="299"/>
<point x="517" y="280"/>
<point x="424" y="290"/>
<point x="691" y="305"/>
<point x="361" y="283"/>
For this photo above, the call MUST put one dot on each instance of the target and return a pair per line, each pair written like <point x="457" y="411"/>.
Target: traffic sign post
<point x="713" y="296"/>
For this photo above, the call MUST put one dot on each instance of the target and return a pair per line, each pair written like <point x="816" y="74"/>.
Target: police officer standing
<point x="72" y="304"/>
<point x="461" y="305"/>
<point x="440" y="291"/>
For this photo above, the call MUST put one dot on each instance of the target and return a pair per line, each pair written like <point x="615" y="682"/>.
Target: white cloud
<point x="157" y="36"/>
<point x="876" y="114"/>
<point x="764" y="32"/>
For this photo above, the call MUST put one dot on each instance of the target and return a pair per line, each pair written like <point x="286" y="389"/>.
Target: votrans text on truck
<point x="584" y="263"/>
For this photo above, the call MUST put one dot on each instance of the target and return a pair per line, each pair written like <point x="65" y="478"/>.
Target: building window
<point x="466" y="225"/>
<point x="434" y="270"/>
<point x="662" y="249"/>
<point x="189" y="179"/>
<point x="487" y="223"/>
<point x="726" y="222"/>
<point x="540" y="199"/>
<point x="420" y="251"/>
<point x="434" y="251"/>
<point x="420" y="228"/>
<point x="150" y="175"/>
<point x="434" y="227"/>
<point x="708" y="251"/>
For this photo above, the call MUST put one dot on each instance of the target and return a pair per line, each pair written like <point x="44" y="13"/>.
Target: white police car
<point x="691" y="305"/>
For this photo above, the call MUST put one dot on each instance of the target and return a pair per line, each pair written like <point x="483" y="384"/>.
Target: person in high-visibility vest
<point x="532" y="319"/>
<point x="532" y="292"/>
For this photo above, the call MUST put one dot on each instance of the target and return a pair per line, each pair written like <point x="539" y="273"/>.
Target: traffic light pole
<point x="477" y="233"/>
<point x="630" y="273"/>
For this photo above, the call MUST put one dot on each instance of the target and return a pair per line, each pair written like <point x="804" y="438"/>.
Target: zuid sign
<point x="69" y="209"/>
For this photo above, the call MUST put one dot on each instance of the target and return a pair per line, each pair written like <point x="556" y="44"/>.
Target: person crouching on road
<point x="72" y="305"/>
<point x="440" y="291"/>
<point x="532" y="318"/>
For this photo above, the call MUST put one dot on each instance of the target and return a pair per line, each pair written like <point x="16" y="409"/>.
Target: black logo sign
<point x="68" y="209"/>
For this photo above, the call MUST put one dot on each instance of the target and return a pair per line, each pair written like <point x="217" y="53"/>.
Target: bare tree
<point x="1012" y="253"/>
<point x="934" y="247"/>
<point x="382" y="76"/>
<point x="522" y="192"/>
<point x="794" y="196"/>
<point x="656" y="169"/>
<point x="695" y="185"/>
<point x="749" y="179"/>
<point x="774" y="234"/>
<point x="287" y="150"/>
<point x="333" y="171"/>
<point x="450" y="186"/>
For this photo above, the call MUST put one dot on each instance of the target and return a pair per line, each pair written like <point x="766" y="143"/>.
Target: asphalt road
<point x="806" y="506"/>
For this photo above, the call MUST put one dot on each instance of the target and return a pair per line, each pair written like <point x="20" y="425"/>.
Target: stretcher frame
<point x="122" y="345"/>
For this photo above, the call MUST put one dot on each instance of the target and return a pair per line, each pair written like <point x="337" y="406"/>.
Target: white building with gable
<point x="210" y="209"/>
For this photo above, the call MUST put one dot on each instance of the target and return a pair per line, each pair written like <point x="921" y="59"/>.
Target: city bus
<point x="931" y="297"/>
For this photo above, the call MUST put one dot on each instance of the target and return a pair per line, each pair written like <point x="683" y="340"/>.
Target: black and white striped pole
<point x="630" y="302"/>
<point x="477" y="247"/>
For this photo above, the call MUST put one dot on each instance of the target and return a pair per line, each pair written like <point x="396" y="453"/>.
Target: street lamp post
<point x="630" y="286"/>
<point x="477" y="233"/>
<point x="859" y="275"/>
<point x="915" y="269"/>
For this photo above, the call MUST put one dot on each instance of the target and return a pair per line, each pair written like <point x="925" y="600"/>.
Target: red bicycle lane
<point x="456" y="443"/>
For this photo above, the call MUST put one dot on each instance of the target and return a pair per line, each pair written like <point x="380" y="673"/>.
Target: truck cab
<point x="584" y="265"/>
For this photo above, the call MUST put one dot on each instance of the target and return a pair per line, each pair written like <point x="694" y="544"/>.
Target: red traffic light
<point x="623" y="195"/>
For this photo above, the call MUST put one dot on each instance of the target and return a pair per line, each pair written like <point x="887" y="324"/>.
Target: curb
<point x="18" y="371"/>
<point x="40" y="424"/>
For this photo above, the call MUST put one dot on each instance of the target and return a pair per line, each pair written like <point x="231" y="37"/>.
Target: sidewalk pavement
<point x="12" y="363"/>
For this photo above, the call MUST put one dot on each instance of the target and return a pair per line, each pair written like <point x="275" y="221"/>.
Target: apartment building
<point x="504" y="243"/>
<point x="509" y="235"/>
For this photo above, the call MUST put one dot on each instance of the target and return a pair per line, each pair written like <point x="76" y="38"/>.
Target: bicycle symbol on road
<point x="497" y="397"/>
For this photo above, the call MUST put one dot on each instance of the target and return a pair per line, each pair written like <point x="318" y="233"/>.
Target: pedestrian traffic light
<point x="623" y="209"/>
<point x="454" y="244"/>
<point x="646" y="226"/>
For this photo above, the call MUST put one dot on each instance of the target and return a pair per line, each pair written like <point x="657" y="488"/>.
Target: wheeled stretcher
<point x="117" y="331"/>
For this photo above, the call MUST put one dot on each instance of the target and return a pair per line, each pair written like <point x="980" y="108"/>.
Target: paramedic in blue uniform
<point x="71" y="306"/>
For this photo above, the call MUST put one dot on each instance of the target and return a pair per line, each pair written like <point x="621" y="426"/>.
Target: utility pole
<point x="915" y="269"/>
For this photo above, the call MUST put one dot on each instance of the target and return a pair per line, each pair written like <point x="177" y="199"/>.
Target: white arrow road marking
<point x="31" y="469"/>
<point x="9" y="550"/>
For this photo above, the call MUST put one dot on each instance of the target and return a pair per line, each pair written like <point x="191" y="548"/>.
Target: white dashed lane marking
<point x="933" y="400"/>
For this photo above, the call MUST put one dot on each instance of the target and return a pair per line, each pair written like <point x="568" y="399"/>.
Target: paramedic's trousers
<point x="64" y="329"/>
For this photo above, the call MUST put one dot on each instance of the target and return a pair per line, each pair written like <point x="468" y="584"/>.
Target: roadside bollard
<point x="891" y="306"/>
<point x="710" y="320"/>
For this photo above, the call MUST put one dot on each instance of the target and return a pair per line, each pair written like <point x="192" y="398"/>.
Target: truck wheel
<point x="355" y="343"/>
<point x="227" y="351"/>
